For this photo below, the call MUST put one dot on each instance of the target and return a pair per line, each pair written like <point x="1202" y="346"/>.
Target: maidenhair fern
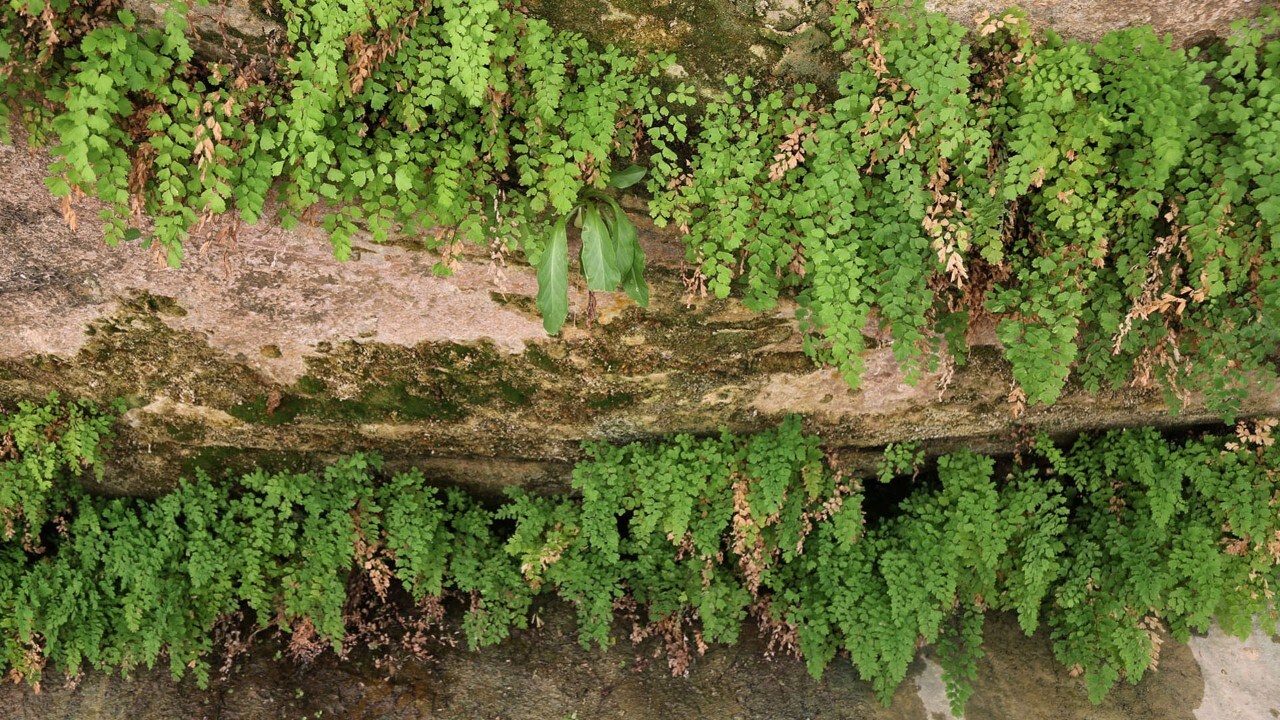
<point x="366" y="117"/>
<point x="1109" y="205"/>
<point x="39" y="443"/>
<point x="1108" y="543"/>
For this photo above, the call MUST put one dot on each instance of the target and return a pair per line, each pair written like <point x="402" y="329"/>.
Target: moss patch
<point x="613" y="401"/>
<point x="133" y="354"/>
<point x="710" y="38"/>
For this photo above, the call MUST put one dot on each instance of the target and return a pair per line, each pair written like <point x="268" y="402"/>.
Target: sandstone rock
<point x="376" y="354"/>
<point x="235" y="31"/>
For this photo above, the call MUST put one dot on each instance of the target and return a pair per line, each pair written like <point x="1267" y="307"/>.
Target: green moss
<point x="133" y="401"/>
<point x="393" y="401"/>
<point x="375" y="383"/>
<point x="220" y="462"/>
<point x="516" y="395"/>
<point x="135" y="356"/>
<point x="710" y="38"/>
<point x="146" y="303"/>
<point x="381" y="403"/>
<point x="786" y="362"/>
<point x="259" y="411"/>
<point x="612" y="401"/>
<point x="310" y="385"/>
<point x="538" y="358"/>
<point x="181" y="432"/>
<point x="212" y="461"/>
<point x="514" y="301"/>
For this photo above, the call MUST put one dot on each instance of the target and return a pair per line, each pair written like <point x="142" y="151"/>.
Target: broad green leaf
<point x="625" y="238"/>
<point x="627" y="177"/>
<point x="553" y="280"/>
<point x="633" y="282"/>
<point x="598" y="262"/>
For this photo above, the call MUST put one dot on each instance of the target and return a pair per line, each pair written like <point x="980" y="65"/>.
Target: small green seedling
<point x="611" y="253"/>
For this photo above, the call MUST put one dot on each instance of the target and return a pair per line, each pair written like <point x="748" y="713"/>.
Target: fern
<point x="1107" y="543"/>
<point x="1109" y="205"/>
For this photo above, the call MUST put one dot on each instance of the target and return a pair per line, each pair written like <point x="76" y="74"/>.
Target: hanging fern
<point x="1111" y="206"/>
<point x="1106" y="543"/>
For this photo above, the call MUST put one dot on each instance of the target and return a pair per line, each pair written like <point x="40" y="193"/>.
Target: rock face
<point x="237" y="31"/>
<point x="264" y="347"/>
<point x="782" y="39"/>
<point x="1187" y="21"/>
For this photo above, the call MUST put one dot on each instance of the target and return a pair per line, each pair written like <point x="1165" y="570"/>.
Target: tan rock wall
<point x="266" y="346"/>
<point x="711" y="38"/>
